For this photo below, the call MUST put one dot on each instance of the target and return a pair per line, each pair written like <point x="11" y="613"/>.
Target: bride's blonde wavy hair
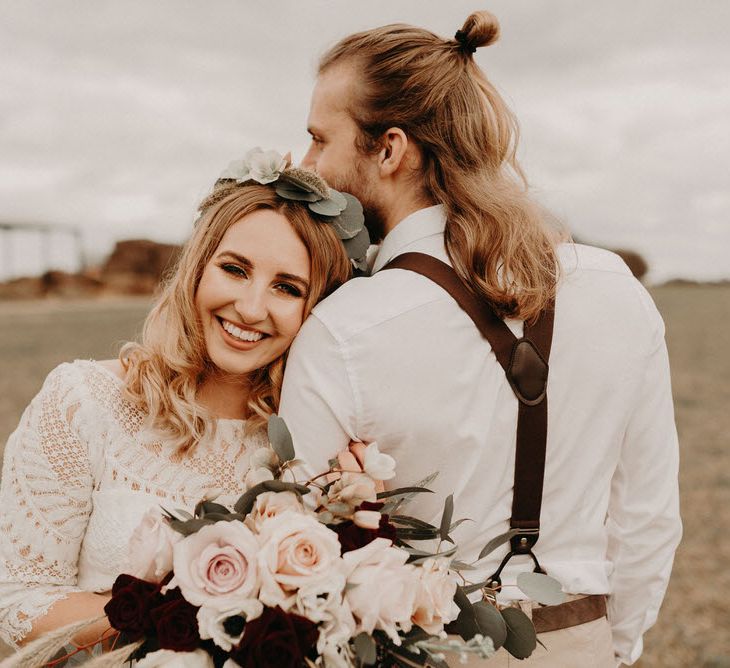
<point x="497" y="238"/>
<point x="165" y="370"/>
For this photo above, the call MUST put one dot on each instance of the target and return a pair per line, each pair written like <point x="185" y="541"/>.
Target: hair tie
<point x="466" y="46"/>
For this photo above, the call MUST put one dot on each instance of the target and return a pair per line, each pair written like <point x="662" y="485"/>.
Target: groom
<point x="415" y="130"/>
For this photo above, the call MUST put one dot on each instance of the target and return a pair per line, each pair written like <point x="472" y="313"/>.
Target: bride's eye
<point x="233" y="269"/>
<point x="289" y="289"/>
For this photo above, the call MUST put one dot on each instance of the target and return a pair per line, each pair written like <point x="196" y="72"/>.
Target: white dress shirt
<point x="393" y="359"/>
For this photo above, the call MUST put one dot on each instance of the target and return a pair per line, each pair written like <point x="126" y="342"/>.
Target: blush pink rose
<point x="435" y="604"/>
<point x="150" y="547"/>
<point x="384" y="592"/>
<point x="216" y="566"/>
<point x="271" y="504"/>
<point x="296" y="551"/>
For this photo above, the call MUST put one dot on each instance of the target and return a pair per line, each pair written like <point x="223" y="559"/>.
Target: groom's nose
<point x="309" y="161"/>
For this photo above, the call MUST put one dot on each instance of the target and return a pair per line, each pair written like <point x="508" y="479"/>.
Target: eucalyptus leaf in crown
<point x="341" y="210"/>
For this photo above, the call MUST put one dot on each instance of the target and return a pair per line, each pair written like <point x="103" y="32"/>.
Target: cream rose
<point x="216" y="566"/>
<point x="255" y="476"/>
<point x="150" y="547"/>
<point x="271" y="504"/>
<point x="296" y="551"/>
<point x="381" y="588"/>
<point x="435" y="605"/>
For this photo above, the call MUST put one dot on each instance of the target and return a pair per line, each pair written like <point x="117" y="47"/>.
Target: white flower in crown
<point x="257" y="165"/>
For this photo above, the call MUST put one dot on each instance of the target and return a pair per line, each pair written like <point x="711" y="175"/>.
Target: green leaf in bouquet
<point x="280" y="438"/>
<point x="416" y="534"/>
<point x="445" y="554"/>
<point x="410" y="521"/>
<point x="446" y="518"/>
<point x="403" y="490"/>
<point x="461" y="566"/>
<point x="490" y="623"/>
<point x="325" y="517"/>
<point x="244" y="505"/>
<point x="339" y="508"/>
<point x="366" y="649"/>
<point x="496" y="542"/>
<point x="189" y="527"/>
<point x="204" y="507"/>
<point x="395" y="503"/>
<point x="521" y="638"/>
<point x="471" y="588"/>
<point x="541" y="588"/>
<point x="459" y="523"/>
<point x="462" y="600"/>
<point x="225" y="517"/>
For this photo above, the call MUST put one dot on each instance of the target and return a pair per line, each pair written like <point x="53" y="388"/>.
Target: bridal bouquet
<point x="321" y="573"/>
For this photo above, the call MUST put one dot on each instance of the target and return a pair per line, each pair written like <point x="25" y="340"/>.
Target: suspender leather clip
<point x="528" y="372"/>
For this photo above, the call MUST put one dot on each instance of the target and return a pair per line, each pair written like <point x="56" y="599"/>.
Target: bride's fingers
<point x="348" y="462"/>
<point x="358" y="451"/>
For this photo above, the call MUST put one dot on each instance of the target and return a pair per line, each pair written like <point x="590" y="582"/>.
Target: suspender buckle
<point x="524" y="541"/>
<point x="528" y="372"/>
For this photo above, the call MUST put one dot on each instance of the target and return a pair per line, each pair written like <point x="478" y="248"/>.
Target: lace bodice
<point x="79" y="472"/>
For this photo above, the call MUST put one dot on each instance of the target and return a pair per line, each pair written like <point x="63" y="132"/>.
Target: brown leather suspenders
<point x="525" y="361"/>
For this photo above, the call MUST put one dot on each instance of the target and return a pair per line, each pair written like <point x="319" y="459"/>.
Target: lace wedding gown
<point x="79" y="472"/>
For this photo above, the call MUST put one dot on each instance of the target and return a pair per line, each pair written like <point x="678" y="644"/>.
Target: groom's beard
<point x="355" y="182"/>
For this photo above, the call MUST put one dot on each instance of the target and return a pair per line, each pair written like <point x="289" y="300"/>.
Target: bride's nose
<point x="252" y="304"/>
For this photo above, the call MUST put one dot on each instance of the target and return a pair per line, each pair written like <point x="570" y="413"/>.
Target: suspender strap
<point x="525" y="362"/>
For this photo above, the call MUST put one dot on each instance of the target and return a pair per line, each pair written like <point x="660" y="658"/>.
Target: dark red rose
<point x="275" y="640"/>
<point x="176" y="623"/>
<point x="353" y="537"/>
<point x="130" y="605"/>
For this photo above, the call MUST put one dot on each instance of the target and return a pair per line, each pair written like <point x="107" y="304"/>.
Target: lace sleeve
<point x="45" y="502"/>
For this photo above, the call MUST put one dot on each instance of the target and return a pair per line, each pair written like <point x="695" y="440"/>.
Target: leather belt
<point x="571" y="613"/>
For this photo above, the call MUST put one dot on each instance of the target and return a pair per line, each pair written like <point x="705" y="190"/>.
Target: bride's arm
<point x="45" y="503"/>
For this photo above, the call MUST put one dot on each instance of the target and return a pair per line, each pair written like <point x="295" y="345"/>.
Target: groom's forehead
<point x="333" y="91"/>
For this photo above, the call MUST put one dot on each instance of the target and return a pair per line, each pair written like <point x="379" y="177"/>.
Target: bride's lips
<point x="234" y="341"/>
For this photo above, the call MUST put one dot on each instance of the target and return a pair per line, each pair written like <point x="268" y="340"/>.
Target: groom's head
<point x="403" y="118"/>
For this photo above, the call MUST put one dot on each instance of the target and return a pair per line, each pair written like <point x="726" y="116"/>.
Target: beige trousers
<point x="587" y="645"/>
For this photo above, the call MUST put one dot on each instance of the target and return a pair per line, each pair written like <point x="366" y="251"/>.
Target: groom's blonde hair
<point x="165" y="370"/>
<point x="431" y="88"/>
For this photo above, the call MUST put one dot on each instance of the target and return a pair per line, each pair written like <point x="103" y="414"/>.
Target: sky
<point x="116" y="117"/>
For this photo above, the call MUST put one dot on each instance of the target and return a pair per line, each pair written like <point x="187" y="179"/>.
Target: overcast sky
<point x="118" y="116"/>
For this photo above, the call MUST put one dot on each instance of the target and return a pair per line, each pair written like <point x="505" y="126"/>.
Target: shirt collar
<point x="418" y="225"/>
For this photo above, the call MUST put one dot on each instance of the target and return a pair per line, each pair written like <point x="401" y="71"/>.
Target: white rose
<point x="271" y="504"/>
<point x="255" y="476"/>
<point x="352" y="489"/>
<point x="150" y="547"/>
<point x="377" y="464"/>
<point x="381" y="588"/>
<point x="216" y="566"/>
<point x="435" y="604"/>
<point x="266" y="166"/>
<point x="211" y="622"/>
<point x="169" y="659"/>
<point x="296" y="551"/>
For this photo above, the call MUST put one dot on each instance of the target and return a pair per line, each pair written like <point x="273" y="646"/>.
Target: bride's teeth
<point x="242" y="334"/>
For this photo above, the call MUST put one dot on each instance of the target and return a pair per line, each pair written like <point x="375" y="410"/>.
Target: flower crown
<point x="341" y="210"/>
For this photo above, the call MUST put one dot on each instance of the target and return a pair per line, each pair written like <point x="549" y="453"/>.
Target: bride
<point x="178" y="415"/>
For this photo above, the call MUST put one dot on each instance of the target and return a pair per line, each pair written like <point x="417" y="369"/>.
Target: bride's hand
<point x="353" y="459"/>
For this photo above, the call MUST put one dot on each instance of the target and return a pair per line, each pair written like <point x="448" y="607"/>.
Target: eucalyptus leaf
<point x="446" y="518"/>
<point x="280" y="438"/>
<point x="459" y="523"/>
<point x="189" y="527"/>
<point x="366" y="649"/>
<point x="288" y="191"/>
<point x="471" y="588"/>
<point x="245" y="503"/>
<point x="461" y="566"/>
<point x="521" y="637"/>
<point x="490" y="623"/>
<point x="461" y="599"/>
<point x="416" y="534"/>
<point x="496" y="542"/>
<point x="204" y="507"/>
<point x="445" y="554"/>
<point x="541" y="588"/>
<point x="180" y="513"/>
<point x="325" y="517"/>
<point x="339" y="197"/>
<point x="224" y="517"/>
<point x="351" y="220"/>
<point x="325" y="207"/>
<point x="358" y="245"/>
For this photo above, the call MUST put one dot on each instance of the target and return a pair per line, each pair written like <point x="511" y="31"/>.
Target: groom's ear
<point x="392" y="155"/>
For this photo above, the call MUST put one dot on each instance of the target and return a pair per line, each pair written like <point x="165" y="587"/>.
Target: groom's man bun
<point x="479" y="29"/>
<point x="433" y="90"/>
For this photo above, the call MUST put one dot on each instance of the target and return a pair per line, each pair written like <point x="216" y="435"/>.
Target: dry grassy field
<point x="694" y="624"/>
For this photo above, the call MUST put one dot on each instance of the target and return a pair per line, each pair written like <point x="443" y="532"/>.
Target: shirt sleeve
<point x="45" y="502"/>
<point x="317" y="399"/>
<point x="643" y="521"/>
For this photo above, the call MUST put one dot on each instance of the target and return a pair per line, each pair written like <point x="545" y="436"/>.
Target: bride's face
<point x="251" y="295"/>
